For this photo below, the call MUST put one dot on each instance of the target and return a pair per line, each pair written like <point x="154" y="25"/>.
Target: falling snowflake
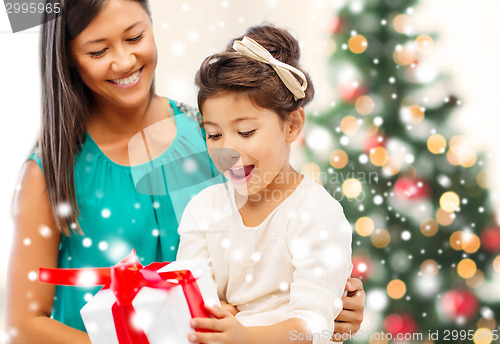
<point x="45" y="231"/>
<point x="64" y="209"/>
<point x="105" y="213"/>
<point x="103" y="246"/>
<point x="32" y="276"/>
<point x="87" y="278"/>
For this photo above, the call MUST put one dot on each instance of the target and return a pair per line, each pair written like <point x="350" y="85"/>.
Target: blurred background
<point x="403" y="132"/>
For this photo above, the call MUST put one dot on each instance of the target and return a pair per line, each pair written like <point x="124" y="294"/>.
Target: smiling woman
<point x="98" y="98"/>
<point x="118" y="67"/>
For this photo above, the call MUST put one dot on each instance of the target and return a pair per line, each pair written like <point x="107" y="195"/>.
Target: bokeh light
<point x="444" y="218"/>
<point x="404" y="55"/>
<point x="462" y="151"/>
<point x="429" y="268"/>
<point x="429" y="227"/>
<point x="466" y="268"/>
<point x="496" y="264"/>
<point x="424" y="44"/>
<point x="349" y="125"/>
<point x="402" y="23"/>
<point x="482" y="179"/>
<point x="351" y="188"/>
<point x="486" y="322"/>
<point x="392" y="166"/>
<point x="449" y="201"/>
<point x="378" y="156"/>
<point x="436" y="144"/>
<point x="452" y="158"/>
<point x="364" y="105"/>
<point x="470" y="242"/>
<point x="338" y="159"/>
<point x="364" y="226"/>
<point x="413" y="114"/>
<point x="483" y="336"/>
<point x="396" y="289"/>
<point x="381" y="238"/>
<point x="476" y="280"/>
<point x="456" y="240"/>
<point x="357" y="44"/>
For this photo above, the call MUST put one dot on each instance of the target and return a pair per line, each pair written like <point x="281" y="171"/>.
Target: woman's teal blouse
<point x="130" y="207"/>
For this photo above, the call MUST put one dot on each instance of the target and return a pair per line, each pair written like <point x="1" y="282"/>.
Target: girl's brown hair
<point x="230" y="71"/>
<point x="66" y="102"/>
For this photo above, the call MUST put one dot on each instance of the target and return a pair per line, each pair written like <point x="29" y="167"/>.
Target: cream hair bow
<point x="254" y="50"/>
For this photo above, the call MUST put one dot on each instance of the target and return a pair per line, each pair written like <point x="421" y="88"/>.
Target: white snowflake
<point x="105" y="213"/>
<point x="103" y="246"/>
<point x="45" y="231"/>
<point x="64" y="209"/>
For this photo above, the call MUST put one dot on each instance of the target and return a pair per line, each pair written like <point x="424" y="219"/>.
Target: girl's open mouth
<point x="240" y="175"/>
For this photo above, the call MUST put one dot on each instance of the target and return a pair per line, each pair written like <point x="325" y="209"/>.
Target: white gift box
<point x="162" y="314"/>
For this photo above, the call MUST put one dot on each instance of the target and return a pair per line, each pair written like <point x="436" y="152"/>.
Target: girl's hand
<point x="228" y="307"/>
<point x="226" y="328"/>
<point x="349" y="319"/>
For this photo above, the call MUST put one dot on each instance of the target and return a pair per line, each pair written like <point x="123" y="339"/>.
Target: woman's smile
<point x="128" y="81"/>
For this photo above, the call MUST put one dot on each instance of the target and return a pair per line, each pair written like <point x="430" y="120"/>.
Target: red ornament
<point x="361" y="267"/>
<point x="406" y="188"/>
<point x="399" y="323"/>
<point x="338" y="25"/>
<point x="374" y="141"/>
<point x="459" y="303"/>
<point x="350" y="91"/>
<point x="490" y="239"/>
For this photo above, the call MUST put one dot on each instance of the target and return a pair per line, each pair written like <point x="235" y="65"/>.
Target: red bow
<point x="125" y="279"/>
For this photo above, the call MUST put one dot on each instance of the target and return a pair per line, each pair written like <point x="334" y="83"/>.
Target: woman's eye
<point x="136" y="38"/>
<point x="97" y="53"/>
<point x="247" y="133"/>
<point x="214" y="136"/>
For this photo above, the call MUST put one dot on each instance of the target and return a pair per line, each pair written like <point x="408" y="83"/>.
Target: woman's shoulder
<point x="35" y="157"/>
<point x="187" y="110"/>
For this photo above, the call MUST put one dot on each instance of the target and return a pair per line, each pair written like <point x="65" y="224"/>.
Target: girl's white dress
<point x="293" y="265"/>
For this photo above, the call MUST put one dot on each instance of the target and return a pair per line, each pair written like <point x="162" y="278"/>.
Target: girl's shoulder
<point x="313" y="195"/>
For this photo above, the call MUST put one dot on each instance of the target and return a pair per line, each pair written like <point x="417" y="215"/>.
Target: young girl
<point x="278" y="244"/>
<point x="98" y="62"/>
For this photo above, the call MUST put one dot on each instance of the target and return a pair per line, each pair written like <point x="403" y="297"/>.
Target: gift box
<point x="141" y="305"/>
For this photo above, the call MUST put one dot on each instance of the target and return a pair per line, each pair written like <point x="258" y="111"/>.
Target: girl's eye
<point x="136" y="38"/>
<point x="247" y="133"/>
<point x="97" y="53"/>
<point x="214" y="136"/>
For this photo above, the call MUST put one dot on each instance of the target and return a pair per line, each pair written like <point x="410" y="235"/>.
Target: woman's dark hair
<point x="66" y="102"/>
<point x="233" y="72"/>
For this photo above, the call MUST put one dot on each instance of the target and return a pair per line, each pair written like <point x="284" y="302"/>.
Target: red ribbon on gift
<point x="125" y="279"/>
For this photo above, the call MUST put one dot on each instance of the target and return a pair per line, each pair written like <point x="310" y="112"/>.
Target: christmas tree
<point x="426" y="243"/>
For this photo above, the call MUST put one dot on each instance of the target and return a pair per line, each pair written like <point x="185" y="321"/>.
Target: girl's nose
<point x="124" y="61"/>
<point x="226" y="157"/>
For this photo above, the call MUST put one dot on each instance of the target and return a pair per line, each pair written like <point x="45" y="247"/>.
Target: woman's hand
<point x="228" y="307"/>
<point x="225" y="328"/>
<point x="349" y="319"/>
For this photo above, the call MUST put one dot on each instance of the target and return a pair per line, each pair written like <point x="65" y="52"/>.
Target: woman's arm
<point x="35" y="244"/>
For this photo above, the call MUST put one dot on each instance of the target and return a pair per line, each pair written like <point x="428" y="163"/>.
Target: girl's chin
<point x="248" y="192"/>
